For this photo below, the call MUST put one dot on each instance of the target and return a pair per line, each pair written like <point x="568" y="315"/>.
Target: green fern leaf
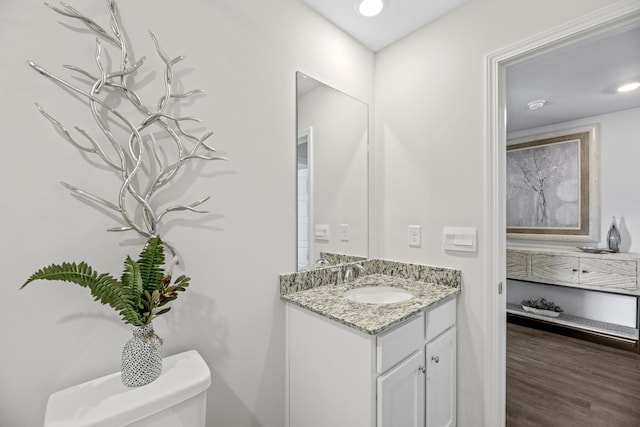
<point x="151" y="261"/>
<point x="137" y="296"/>
<point x="103" y="287"/>
<point x="81" y="274"/>
<point x="132" y="282"/>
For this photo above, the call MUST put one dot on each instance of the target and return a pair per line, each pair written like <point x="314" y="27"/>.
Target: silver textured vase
<point x="141" y="357"/>
<point x="613" y="237"/>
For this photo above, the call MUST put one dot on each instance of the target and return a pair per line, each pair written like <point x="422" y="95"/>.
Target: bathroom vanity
<point x="363" y="364"/>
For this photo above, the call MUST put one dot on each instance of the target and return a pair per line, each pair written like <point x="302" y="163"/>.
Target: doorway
<point x="304" y="187"/>
<point x="610" y="18"/>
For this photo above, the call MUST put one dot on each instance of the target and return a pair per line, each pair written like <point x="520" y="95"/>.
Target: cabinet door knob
<point x="435" y="359"/>
<point x="422" y="370"/>
<point x="575" y="270"/>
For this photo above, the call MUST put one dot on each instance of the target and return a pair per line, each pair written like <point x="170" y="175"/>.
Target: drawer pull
<point x="574" y="270"/>
<point x="435" y="359"/>
<point x="585" y="271"/>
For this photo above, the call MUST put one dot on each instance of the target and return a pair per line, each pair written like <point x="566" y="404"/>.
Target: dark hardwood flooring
<point x="554" y="380"/>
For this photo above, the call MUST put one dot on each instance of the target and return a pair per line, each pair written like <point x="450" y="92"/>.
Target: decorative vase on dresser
<point x="613" y="237"/>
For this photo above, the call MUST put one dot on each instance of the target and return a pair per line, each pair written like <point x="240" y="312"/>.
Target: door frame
<point x="616" y="15"/>
<point x="305" y="136"/>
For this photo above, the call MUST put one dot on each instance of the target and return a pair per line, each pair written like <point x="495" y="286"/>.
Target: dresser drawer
<point x="555" y="268"/>
<point x="518" y="265"/>
<point x="397" y="344"/>
<point x="608" y="273"/>
<point x="440" y="319"/>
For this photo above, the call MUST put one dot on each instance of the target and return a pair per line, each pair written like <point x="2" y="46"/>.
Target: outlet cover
<point x="415" y="236"/>
<point x="344" y="233"/>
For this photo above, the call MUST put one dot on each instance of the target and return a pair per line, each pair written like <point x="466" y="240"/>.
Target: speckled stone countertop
<point x="371" y="318"/>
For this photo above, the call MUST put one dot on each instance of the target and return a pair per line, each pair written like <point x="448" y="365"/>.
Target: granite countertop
<point x="371" y="318"/>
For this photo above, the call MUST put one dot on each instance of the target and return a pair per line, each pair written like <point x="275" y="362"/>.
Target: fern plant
<point x="141" y="293"/>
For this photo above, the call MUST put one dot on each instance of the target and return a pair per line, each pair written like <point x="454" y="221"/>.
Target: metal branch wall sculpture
<point x="157" y="147"/>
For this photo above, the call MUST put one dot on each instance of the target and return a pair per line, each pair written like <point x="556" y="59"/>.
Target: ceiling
<point x="398" y="18"/>
<point x="576" y="80"/>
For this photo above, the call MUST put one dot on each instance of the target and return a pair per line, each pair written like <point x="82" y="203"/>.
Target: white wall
<point x="245" y="55"/>
<point x="430" y="151"/>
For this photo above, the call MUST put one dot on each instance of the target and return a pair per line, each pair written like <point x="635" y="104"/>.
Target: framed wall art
<point x="552" y="188"/>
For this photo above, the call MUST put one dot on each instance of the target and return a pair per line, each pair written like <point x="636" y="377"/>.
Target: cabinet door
<point x="554" y="268"/>
<point x="441" y="380"/>
<point x="401" y="394"/>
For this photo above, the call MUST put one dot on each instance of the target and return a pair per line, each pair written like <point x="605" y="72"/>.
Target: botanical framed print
<point x="552" y="188"/>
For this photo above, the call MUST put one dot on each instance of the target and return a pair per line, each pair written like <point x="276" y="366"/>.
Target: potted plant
<point x="139" y="296"/>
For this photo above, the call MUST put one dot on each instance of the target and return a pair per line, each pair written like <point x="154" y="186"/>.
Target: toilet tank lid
<point x="107" y="402"/>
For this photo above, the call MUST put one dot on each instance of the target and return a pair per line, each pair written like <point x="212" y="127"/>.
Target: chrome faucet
<point x="320" y="263"/>
<point x="350" y="273"/>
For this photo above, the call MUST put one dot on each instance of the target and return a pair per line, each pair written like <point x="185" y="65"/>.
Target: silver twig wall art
<point x="155" y="146"/>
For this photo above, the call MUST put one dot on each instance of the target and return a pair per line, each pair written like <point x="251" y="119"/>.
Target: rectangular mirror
<point x="332" y="174"/>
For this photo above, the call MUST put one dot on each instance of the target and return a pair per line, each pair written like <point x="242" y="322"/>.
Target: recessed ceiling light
<point x="629" y="87"/>
<point x="538" y="103"/>
<point x="370" y="8"/>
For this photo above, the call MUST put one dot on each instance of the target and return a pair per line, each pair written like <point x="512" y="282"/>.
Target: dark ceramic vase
<point x="613" y="237"/>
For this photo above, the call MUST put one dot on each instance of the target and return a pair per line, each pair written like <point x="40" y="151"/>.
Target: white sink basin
<point x="378" y="294"/>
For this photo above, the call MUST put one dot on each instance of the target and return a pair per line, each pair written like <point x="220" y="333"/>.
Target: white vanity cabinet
<point x="339" y="376"/>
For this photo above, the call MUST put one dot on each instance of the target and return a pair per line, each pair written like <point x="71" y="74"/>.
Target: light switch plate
<point x="460" y="239"/>
<point x="321" y="232"/>
<point x="415" y="236"/>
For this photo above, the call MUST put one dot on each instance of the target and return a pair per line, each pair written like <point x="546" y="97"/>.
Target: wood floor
<point x="554" y="381"/>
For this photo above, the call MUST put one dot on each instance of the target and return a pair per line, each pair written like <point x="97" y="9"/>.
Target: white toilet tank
<point x="177" y="398"/>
